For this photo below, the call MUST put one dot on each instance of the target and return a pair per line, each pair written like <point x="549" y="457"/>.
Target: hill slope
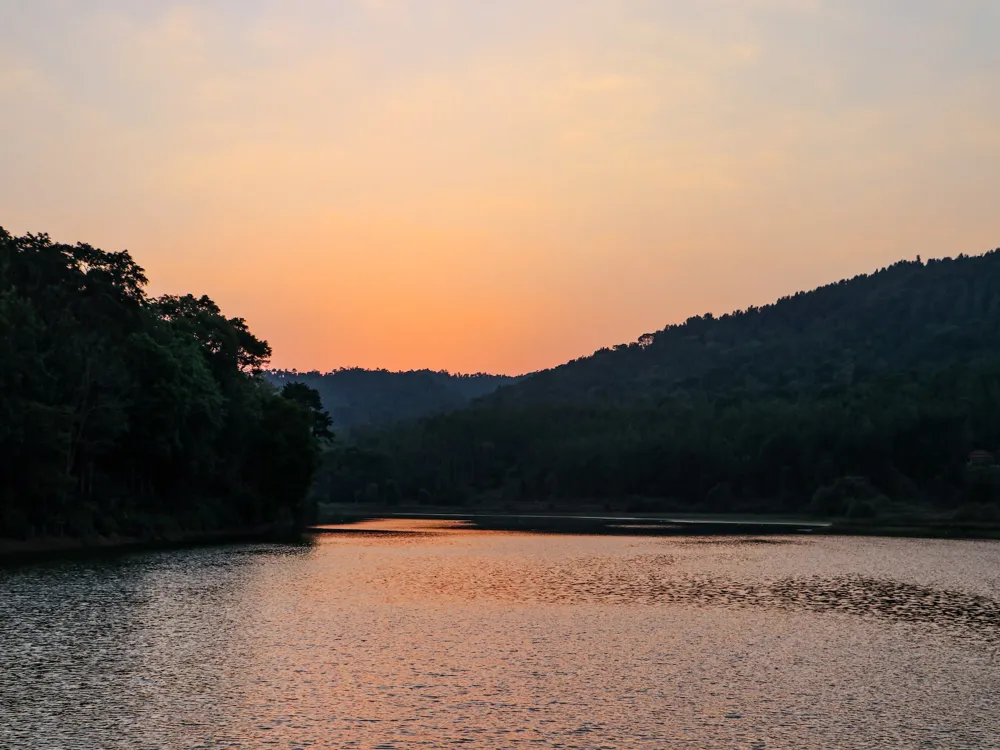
<point x="832" y="399"/>
<point x="906" y="315"/>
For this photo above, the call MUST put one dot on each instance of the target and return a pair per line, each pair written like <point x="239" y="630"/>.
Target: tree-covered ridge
<point x="359" y="397"/>
<point x="122" y="414"/>
<point x="899" y="316"/>
<point x="848" y="398"/>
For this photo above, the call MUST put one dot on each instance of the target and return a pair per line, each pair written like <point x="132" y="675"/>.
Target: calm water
<point x="433" y="635"/>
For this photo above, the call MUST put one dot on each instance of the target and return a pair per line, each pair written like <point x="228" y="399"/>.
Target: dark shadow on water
<point x="143" y="554"/>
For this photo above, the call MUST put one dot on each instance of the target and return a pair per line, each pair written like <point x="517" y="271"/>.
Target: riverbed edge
<point x="50" y="547"/>
<point x="710" y="524"/>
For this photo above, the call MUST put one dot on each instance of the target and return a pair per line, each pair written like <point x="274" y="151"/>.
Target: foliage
<point x="309" y="399"/>
<point x="125" y="414"/>
<point x="827" y="401"/>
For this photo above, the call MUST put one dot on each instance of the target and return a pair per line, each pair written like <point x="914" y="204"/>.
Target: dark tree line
<point x="122" y="414"/>
<point x="359" y="397"/>
<point x="861" y="397"/>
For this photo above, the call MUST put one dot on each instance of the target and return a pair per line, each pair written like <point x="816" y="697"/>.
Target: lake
<point x="433" y="634"/>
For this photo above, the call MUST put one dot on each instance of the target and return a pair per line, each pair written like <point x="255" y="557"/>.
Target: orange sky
<point x="499" y="186"/>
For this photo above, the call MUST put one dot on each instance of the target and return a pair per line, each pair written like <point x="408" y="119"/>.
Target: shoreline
<point x="43" y="549"/>
<point x="40" y="549"/>
<point x="669" y="524"/>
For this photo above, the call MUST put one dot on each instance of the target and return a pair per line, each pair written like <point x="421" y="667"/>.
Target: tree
<point x="309" y="399"/>
<point x="892" y="376"/>
<point x="121" y="414"/>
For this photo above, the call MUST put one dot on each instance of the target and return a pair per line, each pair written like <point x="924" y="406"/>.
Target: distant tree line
<point x="356" y="397"/>
<point x="863" y="397"/>
<point x="123" y="414"/>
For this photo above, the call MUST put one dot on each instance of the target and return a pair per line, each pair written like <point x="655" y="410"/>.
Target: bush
<point x="720" y="497"/>
<point x="826" y="502"/>
<point x="391" y="493"/>
<point x="977" y="512"/>
<point x="79" y="522"/>
<point x="106" y="526"/>
<point x="14" y="524"/>
<point x="845" y="497"/>
<point x="860" y="509"/>
<point x="453" y="496"/>
<point x="641" y="505"/>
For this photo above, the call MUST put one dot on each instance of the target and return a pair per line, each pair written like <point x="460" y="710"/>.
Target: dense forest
<point x="122" y="414"/>
<point x="867" y="396"/>
<point x="359" y="397"/>
<point x="126" y="415"/>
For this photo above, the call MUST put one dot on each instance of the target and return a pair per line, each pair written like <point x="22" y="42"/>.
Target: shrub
<point x="977" y="512"/>
<point x="106" y="525"/>
<point x="854" y="497"/>
<point x="14" y="524"/>
<point x="720" y="497"/>
<point x="392" y="494"/>
<point x="826" y="502"/>
<point x="859" y="509"/>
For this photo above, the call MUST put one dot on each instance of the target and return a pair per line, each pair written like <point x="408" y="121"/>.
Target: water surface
<point x="430" y="634"/>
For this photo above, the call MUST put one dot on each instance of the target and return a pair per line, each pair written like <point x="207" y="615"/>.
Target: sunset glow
<point x="498" y="186"/>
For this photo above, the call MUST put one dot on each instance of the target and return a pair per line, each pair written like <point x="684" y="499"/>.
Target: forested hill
<point x="356" y="396"/>
<point x="125" y="415"/>
<point x="911" y="314"/>
<point x="848" y="398"/>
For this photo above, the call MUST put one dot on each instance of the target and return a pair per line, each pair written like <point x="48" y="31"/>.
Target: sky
<point x="499" y="186"/>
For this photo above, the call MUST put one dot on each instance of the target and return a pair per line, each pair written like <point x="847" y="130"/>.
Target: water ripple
<point x="441" y="636"/>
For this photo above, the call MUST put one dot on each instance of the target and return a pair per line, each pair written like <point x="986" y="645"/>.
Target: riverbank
<point x="334" y="519"/>
<point x="919" y="530"/>
<point x="663" y="524"/>
<point x="40" y="548"/>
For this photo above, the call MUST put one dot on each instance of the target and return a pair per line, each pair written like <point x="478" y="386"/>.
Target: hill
<point x="906" y="315"/>
<point x="855" y="398"/>
<point x="354" y="396"/>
